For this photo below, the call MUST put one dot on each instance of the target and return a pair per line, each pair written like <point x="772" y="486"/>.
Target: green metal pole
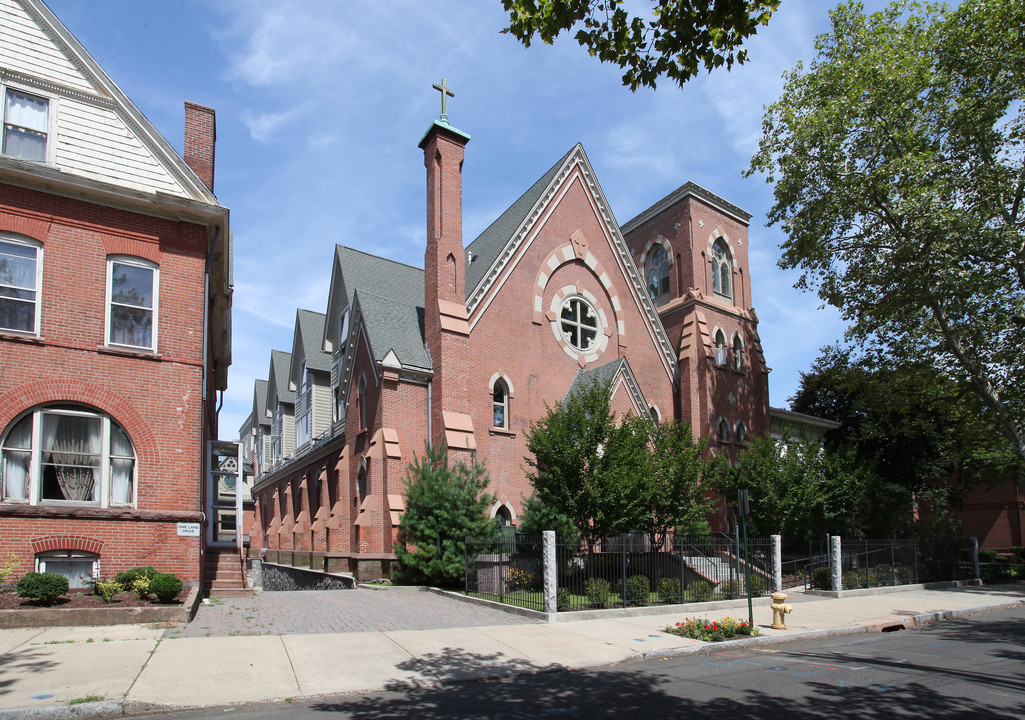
<point x="747" y="559"/>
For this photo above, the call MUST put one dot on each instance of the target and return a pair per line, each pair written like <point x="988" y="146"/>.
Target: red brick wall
<point x="157" y="398"/>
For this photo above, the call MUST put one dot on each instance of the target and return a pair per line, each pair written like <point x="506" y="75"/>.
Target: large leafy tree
<point x="675" y="40"/>
<point x="610" y="475"/>
<point x="897" y="158"/>
<point x="444" y="505"/>
<point x="586" y="467"/>
<point x="795" y="489"/>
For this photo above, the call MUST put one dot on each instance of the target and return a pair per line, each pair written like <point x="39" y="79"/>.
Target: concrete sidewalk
<point x="111" y="671"/>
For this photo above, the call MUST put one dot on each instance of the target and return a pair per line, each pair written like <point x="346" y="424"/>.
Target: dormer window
<point x="658" y="275"/>
<point x="26" y="124"/>
<point x="722" y="271"/>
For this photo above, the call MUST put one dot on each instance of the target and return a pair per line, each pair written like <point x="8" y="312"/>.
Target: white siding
<point x="95" y="143"/>
<point x="26" y="48"/>
<point x="321" y="403"/>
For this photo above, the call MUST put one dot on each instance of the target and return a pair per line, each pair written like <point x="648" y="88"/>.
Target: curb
<point x="86" y="711"/>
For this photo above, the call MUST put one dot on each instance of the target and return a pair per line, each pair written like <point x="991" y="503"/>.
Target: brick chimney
<point x="446" y="325"/>
<point x="200" y="138"/>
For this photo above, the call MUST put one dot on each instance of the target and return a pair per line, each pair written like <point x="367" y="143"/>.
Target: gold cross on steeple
<point x="443" y="89"/>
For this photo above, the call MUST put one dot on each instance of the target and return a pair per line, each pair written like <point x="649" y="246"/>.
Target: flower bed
<point x="701" y="629"/>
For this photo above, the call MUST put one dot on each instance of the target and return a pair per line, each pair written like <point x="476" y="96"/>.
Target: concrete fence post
<point x="777" y="563"/>
<point x="836" y="564"/>
<point x="548" y="565"/>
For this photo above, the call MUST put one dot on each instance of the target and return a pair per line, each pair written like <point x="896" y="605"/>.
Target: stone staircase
<point x="222" y="574"/>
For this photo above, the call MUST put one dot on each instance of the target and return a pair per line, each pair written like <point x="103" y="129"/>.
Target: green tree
<point x="897" y="158"/>
<point x="444" y="505"/>
<point x="675" y="40"/>
<point x="539" y="516"/>
<point x="676" y="497"/>
<point x="587" y="467"/>
<point x="795" y="489"/>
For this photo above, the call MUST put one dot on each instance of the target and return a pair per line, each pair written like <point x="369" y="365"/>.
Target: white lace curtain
<point x="121" y="466"/>
<point x="74" y="445"/>
<point x="17" y="459"/>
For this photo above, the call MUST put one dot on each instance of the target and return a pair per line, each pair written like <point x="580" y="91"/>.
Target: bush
<point x="638" y="588"/>
<point x="598" y="592"/>
<point x="905" y="575"/>
<point x="7" y="567"/>
<point x="822" y="578"/>
<point x="988" y="556"/>
<point x="562" y="599"/>
<point x="1019" y="553"/>
<point x="42" y="588"/>
<point x="882" y="574"/>
<point x="732" y="588"/>
<point x="165" y="586"/>
<point x="668" y="590"/>
<point x="127" y="578"/>
<point x="854" y="579"/>
<point x="106" y="589"/>
<point x="700" y="590"/>
<point x="715" y="631"/>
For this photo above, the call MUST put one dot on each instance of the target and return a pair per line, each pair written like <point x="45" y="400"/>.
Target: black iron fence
<point x="878" y="563"/>
<point x="629" y="570"/>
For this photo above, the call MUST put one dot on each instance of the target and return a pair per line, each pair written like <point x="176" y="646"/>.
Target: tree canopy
<point x="611" y="475"/>
<point x="897" y="158"/>
<point x="675" y="40"/>
<point x="444" y="505"/>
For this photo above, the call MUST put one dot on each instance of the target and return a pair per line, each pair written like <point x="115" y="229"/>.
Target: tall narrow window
<point x="361" y="398"/>
<point x="720" y="348"/>
<point x="741" y="432"/>
<point x="658" y="274"/>
<point x="361" y="484"/>
<point x="131" y="320"/>
<point x="738" y="352"/>
<point x="723" y="431"/>
<point x="500" y="405"/>
<point x="19" y="285"/>
<point x="722" y="272"/>
<point x="26" y="123"/>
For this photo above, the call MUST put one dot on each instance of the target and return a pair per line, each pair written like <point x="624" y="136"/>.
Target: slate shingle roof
<point x="260" y="402"/>
<point x="280" y="362"/>
<point x="393" y="325"/>
<point x="311" y="329"/>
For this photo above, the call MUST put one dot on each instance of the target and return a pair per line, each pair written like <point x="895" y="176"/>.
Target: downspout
<point x="206" y="306"/>
<point x="430" y="413"/>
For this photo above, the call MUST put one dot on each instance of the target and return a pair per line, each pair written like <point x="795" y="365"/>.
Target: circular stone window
<point x="579" y="323"/>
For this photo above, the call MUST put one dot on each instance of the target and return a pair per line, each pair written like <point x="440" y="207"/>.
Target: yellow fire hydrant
<point x="779" y="609"/>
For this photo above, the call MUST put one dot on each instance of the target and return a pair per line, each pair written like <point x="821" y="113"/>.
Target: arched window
<point x="738" y="352"/>
<point x="658" y="274"/>
<point x="361" y="484"/>
<point x="504" y="516"/>
<point x="67" y="454"/>
<point x="77" y="566"/>
<point x="724" y="431"/>
<point x="741" y="432"/>
<point x="500" y="405"/>
<point x="722" y="272"/>
<point x="720" y="348"/>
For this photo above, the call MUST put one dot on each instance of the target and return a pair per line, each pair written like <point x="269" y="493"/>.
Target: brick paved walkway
<point x="338" y="611"/>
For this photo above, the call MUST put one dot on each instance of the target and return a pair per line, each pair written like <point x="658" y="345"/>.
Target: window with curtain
<point x="67" y="454"/>
<point x="19" y="284"/>
<point x="132" y="294"/>
<point x="720" y="348"/>
<point x="500" y="405"/>
<point x="722" y="271"/>
<point x="26" y="125"/>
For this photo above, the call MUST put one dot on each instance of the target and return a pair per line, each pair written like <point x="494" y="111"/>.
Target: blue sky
<point x="320" y="105"/>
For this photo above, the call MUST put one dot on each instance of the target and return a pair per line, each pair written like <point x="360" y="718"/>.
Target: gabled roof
<point x="356" y="271"/>
<point x="394" y="325"/>
<point x="688" y="190"/>
<point x="307" y="342"/>
<point x="484" y="251"/>
<point x="610" y="373"/>
<point x="51" y="58"/>
<point x="499" y="246"/>
<point x="260" y="402"/>
<point x="277" y="378"/>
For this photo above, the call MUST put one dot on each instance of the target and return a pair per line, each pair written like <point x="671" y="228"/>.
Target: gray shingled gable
<point x="484" y="251"/>
<point x="280" y="362"/>
<point x="607" y="373"/>
<point x="393" y="325"/>
<point x="310" y="328"/>
<point x="686" y="190"/>
<point x="260" y="402"/>
<point x="363" y="271"/>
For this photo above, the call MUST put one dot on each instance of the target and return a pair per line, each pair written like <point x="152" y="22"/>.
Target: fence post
<point x="548" y="570"/>
<point x="893" y="564"/>
<point x="466" y="561"/>
<point x="836" y="562"/>
<point x="622" y="549"/>
<point x="501" y="570"/>
<point x="683" y="572"/>
<point x="976" y="569"/>
<point x="777" y="563"/>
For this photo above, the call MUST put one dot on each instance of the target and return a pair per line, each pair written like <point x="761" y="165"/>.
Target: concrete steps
<point x="222" y="574"/>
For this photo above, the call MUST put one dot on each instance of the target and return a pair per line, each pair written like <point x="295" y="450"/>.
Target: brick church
<point x="469" y="349"/>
